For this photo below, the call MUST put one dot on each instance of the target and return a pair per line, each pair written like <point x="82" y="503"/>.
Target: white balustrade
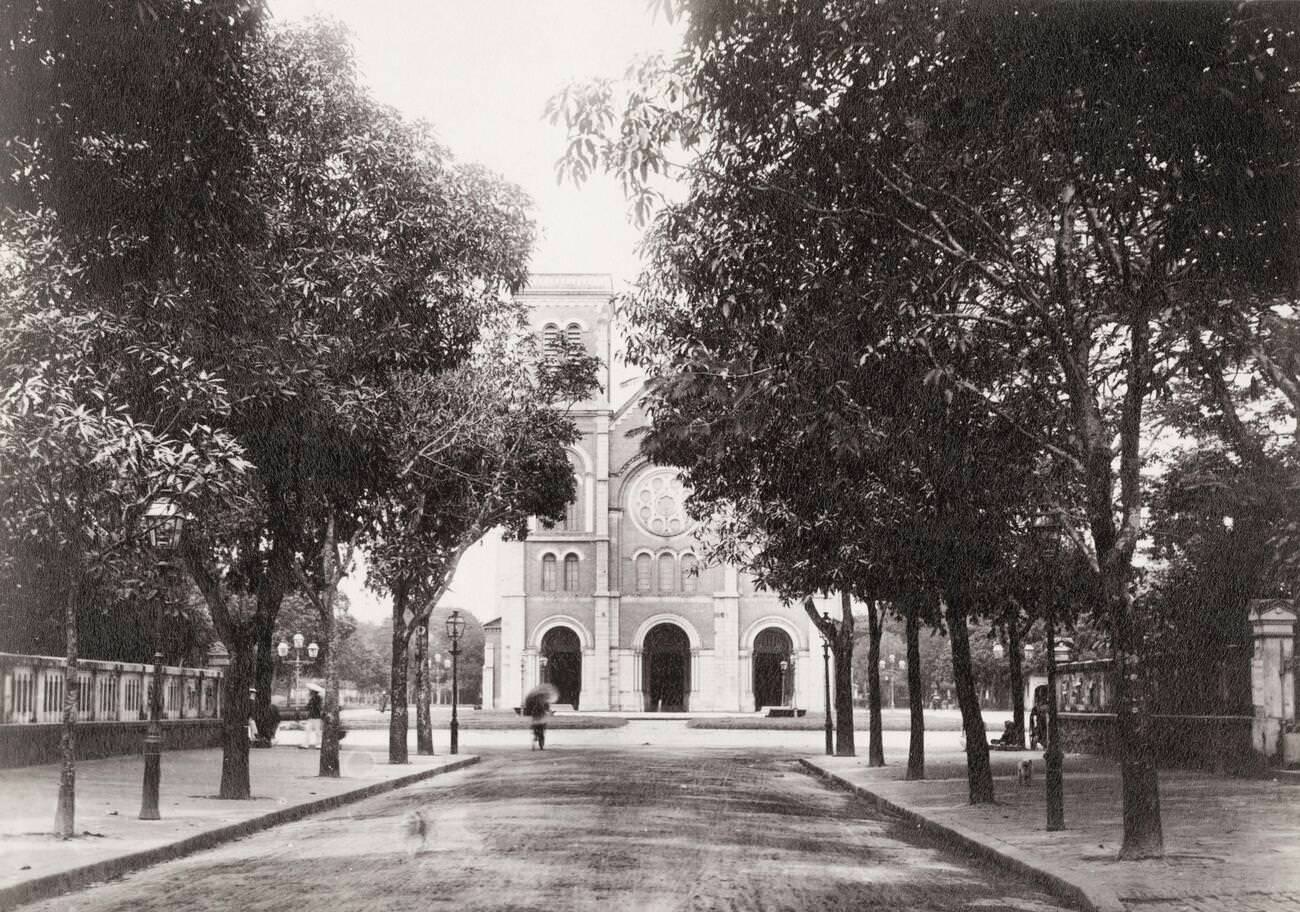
<point x="31" y="691"/>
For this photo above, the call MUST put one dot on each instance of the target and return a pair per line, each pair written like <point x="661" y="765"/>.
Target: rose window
<point x="658" y="504"/>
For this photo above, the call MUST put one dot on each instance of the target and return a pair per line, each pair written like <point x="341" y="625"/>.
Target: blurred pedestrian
<point x="312" y="736"/>
<point x="537" y="706"/>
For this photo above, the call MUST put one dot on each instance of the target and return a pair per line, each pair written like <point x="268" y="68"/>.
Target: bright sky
<point x="481" y="71"/>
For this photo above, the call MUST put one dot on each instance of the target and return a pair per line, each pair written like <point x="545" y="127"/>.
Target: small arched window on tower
<point x="571" y="573"/>
<point x="548" y="573"/>
<point x="667" y="573"/>
<point x="644" y="568"/>
<point x="573" y="338"/>
<point x="690" y="574"/>
<point x="552" y="342"/>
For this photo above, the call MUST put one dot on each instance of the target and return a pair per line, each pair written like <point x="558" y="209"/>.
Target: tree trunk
<point x="264" y="673"/>
<point x="915" y="697"/>
<point x="842" y="652"/>
<point x="1017" y="678"/>
<point x="875" y="740"/>
<point x="65" y="814"/>
<point x="979" y="774"/>
<point x="236" y="707"/>
<point x="1143" y="832"/>
<point x="423" y="719"/>
<point x="330" y="727"/>
<point x="397" y="717"/>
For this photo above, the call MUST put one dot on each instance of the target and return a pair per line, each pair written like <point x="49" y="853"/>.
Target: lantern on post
<point x="455" y="629"/>
<point x="1048" y="533"/>
<point x="164" y="524"/>
<point x="829" y="625"/>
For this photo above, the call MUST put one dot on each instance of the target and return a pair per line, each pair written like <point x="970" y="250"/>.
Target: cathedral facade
<point x="615" y="607"/>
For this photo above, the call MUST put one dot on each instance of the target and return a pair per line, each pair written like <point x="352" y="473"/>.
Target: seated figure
<point x="1010" y="737"/>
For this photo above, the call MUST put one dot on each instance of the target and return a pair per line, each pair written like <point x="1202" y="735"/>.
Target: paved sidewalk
<point x="1232" y="845"/>
<point x="114" y="840"/>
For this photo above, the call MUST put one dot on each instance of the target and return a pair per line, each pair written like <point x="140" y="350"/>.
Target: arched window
<point x="667" y="573"/>
<point x="573" y="337"/>
<point x="690" y="574"/>
<point x="643" y="570"/>
<point x="571" y="573"/>
<point x="551" y="341"/>
<point x="548" y="573"/>
<point x="572" y="521"/>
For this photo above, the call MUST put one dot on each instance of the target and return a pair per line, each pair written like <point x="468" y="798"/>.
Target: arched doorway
<point x="563" y="666"/>
<point x="666" y="668"/>
<point x="772" y="646"/>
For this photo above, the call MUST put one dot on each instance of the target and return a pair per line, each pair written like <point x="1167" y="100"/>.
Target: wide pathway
<point x="640" y="826"/>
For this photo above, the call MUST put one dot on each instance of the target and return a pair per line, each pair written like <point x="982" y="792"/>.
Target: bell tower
<point x="578" y="309"/>
<point x="554" y="588"/>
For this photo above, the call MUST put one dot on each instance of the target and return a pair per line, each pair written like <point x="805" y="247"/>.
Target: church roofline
<point x="549" y="284"/>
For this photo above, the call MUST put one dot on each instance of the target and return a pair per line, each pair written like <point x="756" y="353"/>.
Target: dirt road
<point x="635" y="828"/>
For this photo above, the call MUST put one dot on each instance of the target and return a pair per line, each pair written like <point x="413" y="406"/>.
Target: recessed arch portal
<point x="772" y="646"/>
<point x="666" y="668"/>
<point x="562" y="663"/>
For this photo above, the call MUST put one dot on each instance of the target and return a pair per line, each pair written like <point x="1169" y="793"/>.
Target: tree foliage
<point x="1081" y="194"/>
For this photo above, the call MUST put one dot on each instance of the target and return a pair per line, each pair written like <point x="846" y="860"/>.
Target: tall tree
<point x="382" y="256"/>
<point x="990" y="142"/>
<point x="480" y="447"/>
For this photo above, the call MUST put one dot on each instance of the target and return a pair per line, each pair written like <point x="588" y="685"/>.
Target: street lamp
<point x="1048" y="532"/>
<point x="164" y="524"/>
<point x="283" y="651"/>
<point x="544" y="661"/>
<point x="455" y="627"/>
<point x="826" y="676"/>
<point x="785" y="667"/>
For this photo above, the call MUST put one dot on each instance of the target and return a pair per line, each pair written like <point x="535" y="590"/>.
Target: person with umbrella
<point x="312" y="737"/>
<point x="537" y="705"/>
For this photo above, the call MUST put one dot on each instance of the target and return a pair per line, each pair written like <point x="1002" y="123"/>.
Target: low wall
<point x="1219" y="743"/>
<point x="34" y="744"/>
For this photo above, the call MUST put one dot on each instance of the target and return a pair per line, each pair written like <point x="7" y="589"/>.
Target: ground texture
<point x="584" y="828"/>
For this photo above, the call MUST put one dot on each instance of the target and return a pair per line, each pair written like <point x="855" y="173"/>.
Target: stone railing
<point x="31" y="691"/>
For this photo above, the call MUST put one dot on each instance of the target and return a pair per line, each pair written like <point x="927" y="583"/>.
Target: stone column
<point x="489" y="694"/>
<point x="727" y="685"/>
<point x="638" y="696"/>
<point x="604" y="681"/>
<point x="513" y="605"/>
<point x="1272" y="677"/>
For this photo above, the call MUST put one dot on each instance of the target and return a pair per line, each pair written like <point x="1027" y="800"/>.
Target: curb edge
<point x="1026" y="864"/>
<point x="112" y="868"/>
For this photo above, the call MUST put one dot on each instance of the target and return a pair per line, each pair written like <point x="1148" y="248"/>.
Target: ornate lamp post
<point x="455" y="627"/>
<point x="1049" y="535"/>
<point x="283" y="651"/>
<point x="826" y="677"/>
<point x="164" y="523"/>
<point x="785" y="667"/>
<point x="544" y="661"/>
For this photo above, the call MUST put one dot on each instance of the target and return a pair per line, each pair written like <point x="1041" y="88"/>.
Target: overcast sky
<point x="480" y="71"/>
